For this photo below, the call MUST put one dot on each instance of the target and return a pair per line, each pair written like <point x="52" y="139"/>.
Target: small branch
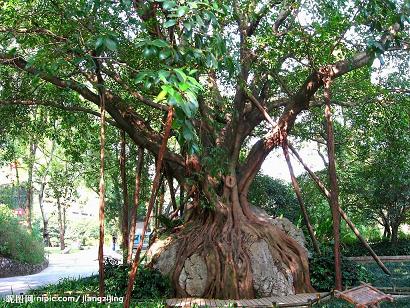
<point x="134" y="93"/>
<point x="261" y="109"/>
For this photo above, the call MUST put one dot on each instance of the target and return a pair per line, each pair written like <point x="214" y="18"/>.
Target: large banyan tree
<point x="224" y="67"/>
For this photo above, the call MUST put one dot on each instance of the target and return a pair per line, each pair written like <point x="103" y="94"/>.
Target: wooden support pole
<point x="154" y="191"/>
<point x="101" y="199"/>
<point x="326" y="193"/>
<point x="298" y="193"/>
<point x="334" y="189"/>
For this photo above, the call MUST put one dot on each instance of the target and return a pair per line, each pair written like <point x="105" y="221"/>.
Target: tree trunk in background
<point x="16" y="164"/>
<point x="29" y="198"/>
<point x="61" y="225"/>
<point x="394" y="233"/>
<point x="160" y="203"/>
<point x="46" y="235"/>
<point x="134" y="212"/>
<point x="334" y="192"/>
<point x="125" y="208"/>
<point x="172" y="193"/>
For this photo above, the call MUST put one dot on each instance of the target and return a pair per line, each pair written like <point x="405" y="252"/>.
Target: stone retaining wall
<point x="11" y="268"/>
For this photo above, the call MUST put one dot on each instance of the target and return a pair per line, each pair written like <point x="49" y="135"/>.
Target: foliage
<point x="16" y="242"/>
<point x="276" y="197"/>
<point x="85" y="231"/>
<point x="149" y="285"/>
<point x="9" y="194"/>
<point x="322" y="271"/>
<point x="400" y="278"/>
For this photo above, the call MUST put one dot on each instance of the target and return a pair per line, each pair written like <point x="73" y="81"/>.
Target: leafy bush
<point x="149" y="284"/>
<point x="16" y="242"/>
<point x="85" y="231"/>
<point x="13" y="196"/>
<point x="322" y="273"/>
<point x="382" y="248"/>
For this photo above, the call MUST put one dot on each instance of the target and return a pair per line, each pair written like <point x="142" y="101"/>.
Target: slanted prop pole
<point x="298" y="193"/>
<point x="326" y="193"/>
<point x="154" y="191"/>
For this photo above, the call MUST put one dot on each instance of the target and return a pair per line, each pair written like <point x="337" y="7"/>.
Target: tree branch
<point x="126" y="118"/>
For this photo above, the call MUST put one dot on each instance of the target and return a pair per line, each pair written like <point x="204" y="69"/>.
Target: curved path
<point x="75" y="265"/>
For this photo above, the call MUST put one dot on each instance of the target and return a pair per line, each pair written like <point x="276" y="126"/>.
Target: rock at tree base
<point x="290" y="229"/>
<point x="269" y="277"/>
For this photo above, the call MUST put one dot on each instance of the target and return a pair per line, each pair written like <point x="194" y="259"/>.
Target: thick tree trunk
<point x="394" y="233"/>
<point x="125" y="207"/>
<point x="61" y="223"/>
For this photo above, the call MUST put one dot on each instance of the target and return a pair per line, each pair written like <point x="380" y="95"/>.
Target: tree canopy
<point x="234" y="77"/>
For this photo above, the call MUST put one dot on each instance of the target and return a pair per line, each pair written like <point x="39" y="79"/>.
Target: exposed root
<point x="223" y="238"/>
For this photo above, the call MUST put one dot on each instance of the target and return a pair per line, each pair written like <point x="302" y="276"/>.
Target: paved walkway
<point x="79" y="264"/>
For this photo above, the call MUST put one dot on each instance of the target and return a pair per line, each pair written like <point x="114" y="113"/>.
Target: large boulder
<point x="290" y="229"/>
<point x="270" y="278"/>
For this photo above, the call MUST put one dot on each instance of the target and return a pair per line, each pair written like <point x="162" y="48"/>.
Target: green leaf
<point x="159" y="43"/>
<point x="183" y="86"/>
<point x="161" y="96"/>
<point x="170" y="23"/>
<point x="163" y="75"/>
<point x="180" y="74"/>
<point x="140" y="77"/>
<point x="164" y="54"/>
<point x="187" y="133"/>
<point x="188" y="25"/>
<point x="182" y="11"/>
<point x="147" y="52"/>
<point x="110" y="44"/>
<point x="99" y="43"/>
<point x="167" y="5"/>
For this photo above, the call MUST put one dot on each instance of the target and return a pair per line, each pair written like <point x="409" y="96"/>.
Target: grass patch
<point x="337" y="303"/>
<point x="134" y="304"/>
<point x="400" y="274"/>
<point x="400" y="278"/>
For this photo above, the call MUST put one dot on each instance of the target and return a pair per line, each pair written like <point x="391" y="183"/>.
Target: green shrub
<point x="16" y="242"/>
<point x="149" y="285"/>
<point x="322" y="273"/>
<point x="85" y="231"/>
